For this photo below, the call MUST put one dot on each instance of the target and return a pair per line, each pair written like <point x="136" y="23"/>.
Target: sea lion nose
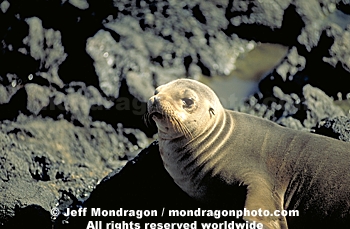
<point x="156" y="99"/>
<point x="153" y="102"/>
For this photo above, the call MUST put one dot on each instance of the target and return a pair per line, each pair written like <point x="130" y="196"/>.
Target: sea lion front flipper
<point x="261" y="198"/>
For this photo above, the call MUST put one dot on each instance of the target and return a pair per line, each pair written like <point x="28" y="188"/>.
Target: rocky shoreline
<point x="75" y="77"/>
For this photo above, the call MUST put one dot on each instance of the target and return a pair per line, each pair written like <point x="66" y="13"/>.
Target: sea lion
<point x="231" y="159"/>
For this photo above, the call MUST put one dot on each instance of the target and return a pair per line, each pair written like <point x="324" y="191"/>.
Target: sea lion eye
<point x="188" y="102"/>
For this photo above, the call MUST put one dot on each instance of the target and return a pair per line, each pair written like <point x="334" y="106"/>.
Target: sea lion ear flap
<point x="211" y="111"/>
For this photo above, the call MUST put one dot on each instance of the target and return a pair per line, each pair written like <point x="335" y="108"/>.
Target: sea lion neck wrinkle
<point x="189" y="164"/>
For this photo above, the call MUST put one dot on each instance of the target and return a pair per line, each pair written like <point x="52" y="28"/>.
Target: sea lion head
<point x="183" y="108"/>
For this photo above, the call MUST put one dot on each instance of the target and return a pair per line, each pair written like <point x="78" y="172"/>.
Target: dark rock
<point x="16" y="105"/>
<point x="154" y="43"/>
<point x="292" y="64"/>
<point x="74" y="103"/>
<point x="4" y="6"/>
<point x="51" y="163"/>
<point x="44" y="45"/>
<point x="84" y="70"/>
<point x="317" y="107"/>
<point x="324" y="60"/>
<point x="171" y="33"/>
<point x="100" y="47"/>
<point x="5" y="94"/>
<point x="81" y="4"/>
<point x="338" y="52"/>
<point x="338" y="127"/>
<point x="41" y="50"/>
<point x="142" y="184"/>
<point x="317" y="44"/>
<point x="327" y="58"/>
<point x="292" y="123"/>
<point x="79" y="99"/>
<point x="293" y="111"/>
<point x="136" y="140"/>
<point x="124" y="192"/>
<point x="140" y="85"/>
<point x="32" y="216"/>
<point x="38" y="97"/>
<point x="267" y="13"/>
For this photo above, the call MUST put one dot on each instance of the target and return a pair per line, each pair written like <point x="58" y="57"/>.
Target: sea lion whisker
<point x="187" y="132"/>
<point x="178" y="126"/>
<point x="146" y="119"/>
<point x="174" y="123"/>
<point x="182" y="128"/>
